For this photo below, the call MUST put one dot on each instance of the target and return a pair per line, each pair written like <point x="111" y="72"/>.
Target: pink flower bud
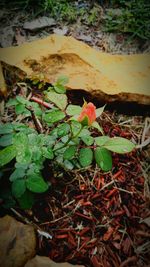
<point x="88" y="114"/>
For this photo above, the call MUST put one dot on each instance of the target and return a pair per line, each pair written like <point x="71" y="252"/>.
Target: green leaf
<point x="36" y="153"/>
<point x="23" y="166"/>
<point x="6" y="140"/>
<point x="21" y="100"/>
<point x="54" y="116"/>
<point x="11" y="102"/>
<point x="62" y="80"/>
<point x="6" y="128"/>
<point x="26" y="201"/>
<point x="63" y="129"/>
<point x="20" y="108"/>
<point x="36" y="108"/>
<point x="21" y="127"/>
<point x="60" y="100"/>
<point x="84" y="132"/>
<point x="59" y="88"/>
<point x="101" y="140"/>
<point x="99" y="111"/>
<point x="7" y="154"/>
<point x="73" y="110"/>
<point x="68" y="165"/>
<point x="75" y="127"/>
<point x="49" y="140"/>
<point x="35" y="183"/>
<point x="35" y="168"/>
<point x="47" y="152"/>
<point x="88" y="140"/>
<point x="119" y="145"/>
<point x="85" y="157"/>
<point x="17" y="174"/>
<point x="103" y="158"/>
<point x="97" y="126"/>
<point x="18" y="188"/>
<point x="70" y="152"/>
<point x="21" y="143"/>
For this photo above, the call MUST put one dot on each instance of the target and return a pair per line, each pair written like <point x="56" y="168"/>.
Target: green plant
<point x="61" y="135"/>
<point x="133" y="17"/>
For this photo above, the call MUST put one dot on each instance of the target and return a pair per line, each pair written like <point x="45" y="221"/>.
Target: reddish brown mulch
<point x="96" y="218"/>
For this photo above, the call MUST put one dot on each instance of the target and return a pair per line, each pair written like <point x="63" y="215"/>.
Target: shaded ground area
<point x="88" y="27"/>
<point x="96" y="218"/>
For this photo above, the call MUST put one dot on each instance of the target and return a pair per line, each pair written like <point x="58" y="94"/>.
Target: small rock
<point x="39" y="23"/>
<point x="7" y="36"/>
<point x="17" y="242"/>
<point x="39" y="261"/>
<point x="85" y="38"/>
<point x="62" y="31"/>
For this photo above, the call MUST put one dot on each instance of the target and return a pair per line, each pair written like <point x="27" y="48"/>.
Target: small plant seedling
<point x="62" y="135"/>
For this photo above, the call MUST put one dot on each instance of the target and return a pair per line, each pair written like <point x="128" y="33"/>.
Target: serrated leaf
<point x="70" y="152"/>
<point x="17" y="174"/>
<point x="7" y="154"/>
<point x="6" y="140"/>
<point x="68" y="165"/>
<point x="97" y="126"/>
<point x="63" y="129"/>
<point x="21" y="143"/>
<point x="99" y="111"/>
<point x="36" y="108"/>
<point x="88" y="140"/>
<point x="76" y="127"/>
<point x="54" y="116"/>
<point x="84" y="132"/>
<point x="26" y="201"/>
<point x="18" y="188"/>
<point x="47" y="153"/>
<point x="103" y="158"/>
<point x="49" y="140"/>
<point x="85" y="156"/>
<point x="119" y="145"/>
<point x="59" y="88"/>
<point x="6" y="128"/>
<point x="23" y="166"/>
<point x="20" y="108"/>
<point x="21" y="100"/>
<point x="101" y="140"/>
<point x="62" y="79"/>
<point x="35" y="183"/>
<point x="73" y="110"/>
<point x="60" y="100"/>
<point x="18" y="127"/>
<point x="11" y="102"/>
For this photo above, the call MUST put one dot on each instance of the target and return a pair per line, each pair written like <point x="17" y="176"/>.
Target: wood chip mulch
<point x="96" y="218"/>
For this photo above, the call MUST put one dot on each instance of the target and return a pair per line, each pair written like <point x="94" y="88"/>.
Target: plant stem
<point x="71" y="137"/>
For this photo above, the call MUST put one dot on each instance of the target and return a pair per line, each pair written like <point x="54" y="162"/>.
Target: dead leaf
<point x="7" y="36"/>
<point x="19" y="37"/>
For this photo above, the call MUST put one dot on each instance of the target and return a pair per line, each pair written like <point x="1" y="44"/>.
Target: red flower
<point x="88" y="114"/>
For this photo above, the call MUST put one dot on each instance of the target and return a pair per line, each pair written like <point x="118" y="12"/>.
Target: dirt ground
<point x="14" y="31"/>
